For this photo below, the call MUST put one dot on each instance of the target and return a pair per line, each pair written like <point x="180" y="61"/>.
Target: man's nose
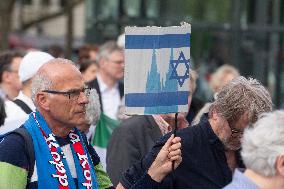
<point x="83" y="99"/>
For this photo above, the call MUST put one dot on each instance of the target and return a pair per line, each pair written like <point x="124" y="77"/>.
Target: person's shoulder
<point x="189" y="131"/>
<point x="12" y="147"/>
<point x="10" y="139"/>
<point x="93" y="83"/>
<point x="133" y="122"/>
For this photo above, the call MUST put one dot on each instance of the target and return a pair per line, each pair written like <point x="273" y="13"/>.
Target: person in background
<point x="56" y="51"/>
<point x="194" y="104"/>
<point x="121" y="40"/>
<point x="263" y="155"/>
<point x="209" y="149"/>
<point x="93" y="111"/>
<point x="110" y="59"/>
<point x="169" y="154"/>
<point x="134" y="138"/>
<point x="220" y="78"/>
<point x="87" y="52"/>
<point x="2" y="112"/>
<point x="10" y="84"/>
<point x="89" y="70"/>
<point x="19" y="109"/>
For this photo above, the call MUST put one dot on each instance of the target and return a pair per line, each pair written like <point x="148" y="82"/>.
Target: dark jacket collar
<point x="208" y="131"/>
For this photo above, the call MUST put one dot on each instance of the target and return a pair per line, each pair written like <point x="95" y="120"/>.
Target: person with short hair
<point x="10" y="84"/>
<point x="110" y="59"/>
<point x="89" y="70"/>
<point x="63" y="157"/>
<point x="19" y="109"/>
<point x="220" y="77"/>
<point x="263" y="155"/>
<point x="209" y="149"/>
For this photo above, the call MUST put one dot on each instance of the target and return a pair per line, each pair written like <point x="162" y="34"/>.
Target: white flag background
<point x="157" y="63"/>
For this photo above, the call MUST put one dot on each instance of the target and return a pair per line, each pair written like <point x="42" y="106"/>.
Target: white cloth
<point x="31" y="62"/>
<point x="27" y="100"/>
<point x="110" y="98"/>
<point x="15" y="115"/>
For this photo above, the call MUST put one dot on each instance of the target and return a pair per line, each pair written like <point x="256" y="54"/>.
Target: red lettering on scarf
<point x="83" y="158"/>
<point x="57" y="162"/>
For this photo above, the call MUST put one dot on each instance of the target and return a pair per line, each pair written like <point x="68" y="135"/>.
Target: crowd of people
<point x="52" y="110"/>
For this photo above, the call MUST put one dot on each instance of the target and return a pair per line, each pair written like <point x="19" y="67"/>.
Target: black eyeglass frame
<point x="236" y="131"/>
<point x="75" y="92"/>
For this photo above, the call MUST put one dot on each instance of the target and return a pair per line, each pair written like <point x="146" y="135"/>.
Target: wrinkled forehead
<point x="67" y="77"/>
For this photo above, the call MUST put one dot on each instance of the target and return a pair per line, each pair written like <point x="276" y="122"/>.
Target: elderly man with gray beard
<point x="209" y="149"/>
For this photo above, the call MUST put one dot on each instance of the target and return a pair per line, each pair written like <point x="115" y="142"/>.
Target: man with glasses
<point x="110" y="59"/>
<point x="209" y="149"/>
<point x="63" y="158"/>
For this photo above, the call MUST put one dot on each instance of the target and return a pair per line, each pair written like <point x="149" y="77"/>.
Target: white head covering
<point x="121" y="40"/>
<point x="31" y="63"/>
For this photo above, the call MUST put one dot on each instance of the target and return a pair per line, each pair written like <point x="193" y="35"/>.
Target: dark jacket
<point x="95" y="85"/>
<point x="204" y="164"/>
<point x="129" y="142"/>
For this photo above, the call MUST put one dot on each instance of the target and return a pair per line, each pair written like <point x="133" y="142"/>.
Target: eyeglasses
<point x="72" y="94"/>
<point x="236" y="132"/>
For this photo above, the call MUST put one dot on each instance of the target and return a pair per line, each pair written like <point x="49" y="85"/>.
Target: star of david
<point x="174" y="64"/>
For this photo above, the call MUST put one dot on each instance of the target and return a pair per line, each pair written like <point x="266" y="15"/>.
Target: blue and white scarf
<point x="52" y="169"/>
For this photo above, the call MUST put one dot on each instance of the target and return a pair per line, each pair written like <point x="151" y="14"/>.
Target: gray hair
<point x="262" y="144"/>
<point x="106" y="49"/>
<point x="42" y="81"/>
<point x="93" y="108"/>
<point x="241" y="96"/>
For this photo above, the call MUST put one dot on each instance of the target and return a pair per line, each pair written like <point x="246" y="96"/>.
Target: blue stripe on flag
<point x="156" y="99"/>
<point x="157" y="41"/>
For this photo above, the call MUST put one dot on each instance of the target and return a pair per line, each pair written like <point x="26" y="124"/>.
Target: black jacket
<point x="204" y="164"/>
<point x="129" y="143"/>
<point x="95" y="85"/>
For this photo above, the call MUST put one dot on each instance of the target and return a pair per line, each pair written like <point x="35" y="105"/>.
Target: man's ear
<point x="279" y="165"/>
<point x="102" y="62"/>
<point x="6" y="76"/>
<point x="42" y="100"/>
<point x="214" y="115"/>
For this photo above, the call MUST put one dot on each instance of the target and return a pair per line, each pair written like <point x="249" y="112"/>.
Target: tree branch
<point x="47" y="17"/>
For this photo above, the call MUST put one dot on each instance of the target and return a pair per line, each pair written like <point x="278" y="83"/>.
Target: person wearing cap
<point x="17" y="111"/>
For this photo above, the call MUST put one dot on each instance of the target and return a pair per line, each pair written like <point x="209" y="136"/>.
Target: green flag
<point x="104" y="129"/>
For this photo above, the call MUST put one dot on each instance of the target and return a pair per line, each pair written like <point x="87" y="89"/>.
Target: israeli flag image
<point x="157" y="64"/>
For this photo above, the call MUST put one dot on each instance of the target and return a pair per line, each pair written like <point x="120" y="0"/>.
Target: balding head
<point x="59" y="93"/>
<point x="51" y="74"/>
